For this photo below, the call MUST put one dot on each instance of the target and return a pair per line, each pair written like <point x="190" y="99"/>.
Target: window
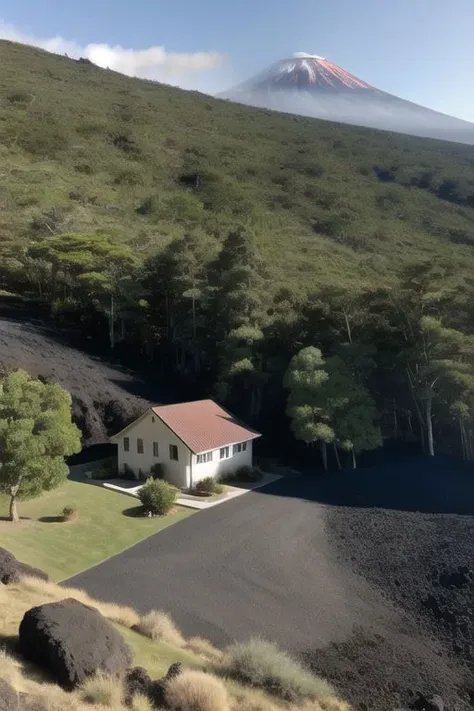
<point x="224" y="453"/>
<point x="241" y="447"/>
<point x="152" y="419"/>
<point x="139" y="446"/>
<point x="206" y="457"/>
<point x="174" y="452"/>
<point x="155" y="449"/>
<point x="126" y="444"/>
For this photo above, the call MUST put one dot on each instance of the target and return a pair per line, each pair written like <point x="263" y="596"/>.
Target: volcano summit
<point x="309" y="85"/>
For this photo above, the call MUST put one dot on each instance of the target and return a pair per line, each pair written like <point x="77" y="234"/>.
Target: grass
<point x="101" y="530"/>
<point x="263" y="665"/>
<point x="205" y="686"/>
<point x="157" y="625"/>
<point x="197" y="690"/>
<point x="85" y="150"/>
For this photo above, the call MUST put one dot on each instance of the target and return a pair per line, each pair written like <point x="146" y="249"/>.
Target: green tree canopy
<point x="36" y="433"/>
<point x="305" y="379"/>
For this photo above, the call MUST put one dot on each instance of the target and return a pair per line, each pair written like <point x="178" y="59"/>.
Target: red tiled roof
<point x="203" y="425"/>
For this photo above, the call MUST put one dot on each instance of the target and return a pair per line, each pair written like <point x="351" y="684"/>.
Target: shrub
<point x="69" y="512"/>
<point x="158" y="625"/>
<point x="247" y="473"/>
<point x="207" y="485"/>
<point x="157" y="496"/>
<point x="263" y="665"/>
<point x="197" y="691"/>
<point x="158" y="471"/>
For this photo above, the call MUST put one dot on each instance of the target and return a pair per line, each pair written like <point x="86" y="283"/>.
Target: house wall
<point x="151" y="429"/>
<point x="218" y="467"/>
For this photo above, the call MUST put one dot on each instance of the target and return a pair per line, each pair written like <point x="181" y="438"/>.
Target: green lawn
<point x="63" y="549"/>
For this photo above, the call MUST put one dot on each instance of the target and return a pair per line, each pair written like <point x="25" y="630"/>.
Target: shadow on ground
<point x="419" y="484"/>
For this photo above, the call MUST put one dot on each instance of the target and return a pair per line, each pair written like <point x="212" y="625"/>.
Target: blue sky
<point x="422" y="50"/>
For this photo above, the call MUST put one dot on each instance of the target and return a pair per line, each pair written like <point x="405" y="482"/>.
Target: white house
<point x="192" y="440"/>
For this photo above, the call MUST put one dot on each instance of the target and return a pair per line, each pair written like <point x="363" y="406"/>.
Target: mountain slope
<point x="313" y="86"/>
<point x="85" y="150"/>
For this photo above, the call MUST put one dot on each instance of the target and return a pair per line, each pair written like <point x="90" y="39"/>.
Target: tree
<point x="36" y="433"/>
<point x="351" y="410"/>
<point x="239" y="291"/>
<point x="176" y="287"/>
<point x="305" y="379"/>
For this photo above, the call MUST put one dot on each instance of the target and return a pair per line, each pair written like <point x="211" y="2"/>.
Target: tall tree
<point x="36" y="433"/>
<point x="305" y="379"/>
<point x="239" y="301"/>
<point x="176" y="286"/>
<point x="351" y="410"/>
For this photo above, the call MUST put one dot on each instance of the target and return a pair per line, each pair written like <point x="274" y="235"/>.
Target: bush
<point x="157" y="496"/>
<point x="197" y="691"/>
<point x="247" y="473"/>
<point x="263" y="665"/>
<point x="69" y="512"/>
<point x="157" y="471"/>
<point x="157" y="625"/>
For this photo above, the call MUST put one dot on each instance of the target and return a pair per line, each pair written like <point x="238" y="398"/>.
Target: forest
<point x="313" y="277"/>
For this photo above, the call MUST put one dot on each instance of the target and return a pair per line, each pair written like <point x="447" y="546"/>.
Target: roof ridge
<point x="187" y="402"/>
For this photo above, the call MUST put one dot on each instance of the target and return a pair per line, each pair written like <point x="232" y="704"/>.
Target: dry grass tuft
<point x="262" y="664"/>
<point x="142" y="703"/>
<point x="330" y="703"/>
<point x="10" y="670"/>
<point x="157" y="625"/>
<point x="122" y="615"/>
<point x="102" y="691"/>
<point x="203" y="648"/>
<point x="197" y="691"/>
<point x="252" y="700"/>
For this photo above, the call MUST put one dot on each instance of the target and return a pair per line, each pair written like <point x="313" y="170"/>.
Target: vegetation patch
<point x="263" y="665"/>
<point x="97" y="534"/>
<point x="158" y="497"/>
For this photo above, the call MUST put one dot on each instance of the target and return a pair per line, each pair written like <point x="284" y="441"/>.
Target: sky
<point x="421" y="50"/>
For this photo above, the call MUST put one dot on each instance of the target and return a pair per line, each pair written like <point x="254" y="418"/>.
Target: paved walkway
<point x="130" y="488"/>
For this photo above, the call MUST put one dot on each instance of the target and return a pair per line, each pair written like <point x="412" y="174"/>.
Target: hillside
<point x="86" y="149"/>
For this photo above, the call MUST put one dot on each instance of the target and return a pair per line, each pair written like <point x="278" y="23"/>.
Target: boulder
<point x="175" y="670"/>
<point x="157" y="689"/>
<point x="8" y="565"/>
<point x="136" y="681"/>
<point x="72" y="641"/>
<point x="428" y="703"/>
<point x="12" y="570"/>
<point x="9" y="700"/>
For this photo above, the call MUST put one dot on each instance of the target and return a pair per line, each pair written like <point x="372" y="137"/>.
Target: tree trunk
<point x="13" y="510"/>
<point x="336" y="452"/>
<point x="354" y="461"/>
<point x="463" y="439"/>
<point x="324" y="454"/>
<point x="395" y="420"/>
<point x="429" y="426"/>
<point x="112" y="323"/>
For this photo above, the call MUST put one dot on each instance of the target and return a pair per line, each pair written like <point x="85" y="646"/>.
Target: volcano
<point x="309" y="85"/>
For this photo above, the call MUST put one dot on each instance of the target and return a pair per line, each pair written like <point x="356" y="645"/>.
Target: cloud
<point x="152" y="63"/>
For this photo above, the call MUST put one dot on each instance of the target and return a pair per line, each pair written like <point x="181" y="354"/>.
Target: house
<point x="192" y="440"/>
